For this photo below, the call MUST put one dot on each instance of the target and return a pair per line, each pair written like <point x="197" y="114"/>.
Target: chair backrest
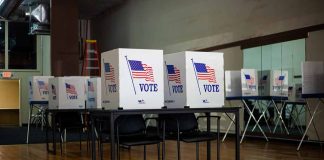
<point x="103" y="124"/>
<point x="69" y="119"/>
<point x="130" y="124"/>
<point x="187" y="122"/>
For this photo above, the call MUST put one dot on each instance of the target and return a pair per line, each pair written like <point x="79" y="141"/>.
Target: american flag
<point x="204" y="72"/>
<point x="42" y="85"/>
<point x="53" y="90"/>
<point x="141" y="71"/>
<point x="263" y="79"/>
<point x="109" y="72"/>
<point x="173" y="74"/>
<point x="279" y="80"/>
<point x="90" y="86"/>
<point x="70" y="89"/>
<point x="249" y="79"/>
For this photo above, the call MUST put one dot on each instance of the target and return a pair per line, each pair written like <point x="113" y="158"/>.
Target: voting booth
<point x="85" y="80"/>
<point x="66" y="93"/>
<point x="312" y="77"/>
<point x="249" y="80"/>
<point x="233" y="85"/>
<point x="273" y="83"/>
<point x="132" y="79"/>
<point x="94" y="93"/>
<point x="194" y="79"/>
<point x="38" y="88"/>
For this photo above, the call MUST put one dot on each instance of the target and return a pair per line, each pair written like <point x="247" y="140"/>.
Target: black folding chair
<point x="131" y="131"/>
<point x="69" y="121"/>
<point x="184" y="127"/>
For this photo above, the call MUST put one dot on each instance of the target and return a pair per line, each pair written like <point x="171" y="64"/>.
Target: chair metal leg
<point x="197" y="150"/>
<point x="80" y="137"/>
<point x="101" y="150"/>
<point x="163" y="141"/>
<point x="144" y="152"/>
<point x="158" y="149"/>
<point x="178" y="149"/>
<point x="61" y="143"/>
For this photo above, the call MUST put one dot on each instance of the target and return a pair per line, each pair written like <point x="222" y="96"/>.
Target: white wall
<point x="190" y="24"/>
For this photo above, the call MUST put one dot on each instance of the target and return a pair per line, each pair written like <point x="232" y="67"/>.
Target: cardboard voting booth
<point x="38" y="88"/>
<point x="94" y="93"/>
<point x="312" y="77"/>
<point x="194" y="79"/>
<point x="66" y="93"/>
<point x="85" y="80"/>
<point x="249" y="80"/>
<point x="233" y="85"/>
<point x="273" y="83"/>
<point x="132" y="79"/>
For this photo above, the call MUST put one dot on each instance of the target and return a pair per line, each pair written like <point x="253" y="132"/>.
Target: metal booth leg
<point x="280" y="117"/>
<point x="309" y="123"/>
<point x="251" y="115"/>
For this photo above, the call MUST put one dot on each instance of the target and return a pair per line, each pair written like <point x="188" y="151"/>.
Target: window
<point x="286" y="56"/>
<point x="21" y="46"/>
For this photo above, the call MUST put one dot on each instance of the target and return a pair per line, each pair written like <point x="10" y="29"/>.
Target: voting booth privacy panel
<point x="94" y="93"/>
<point x="67" y="93"/>
<point x="233" y="85"/>
<point x="194" y="79"/>
<point x="38" y="88"/>
<point x="132" y="79"/>
<point x="273" y="83"/>
<point x="312" y="77"/>
<point x="249" y="80"/>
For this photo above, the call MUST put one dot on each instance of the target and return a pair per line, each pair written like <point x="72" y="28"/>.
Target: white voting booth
<point x="94" y="93"/>
<point x="312" y="77"/>
<point x="273" y="83"/>
<point x="38" y="88"/>
<point x="194" y="79"/>
<point x="233" y="85"/>
<point x="85" y="80"/>
<point x="312" y="88"/>
<point x="66" y="93"/>
<point x="249" y="80"/>
<point x="132" y="79"/>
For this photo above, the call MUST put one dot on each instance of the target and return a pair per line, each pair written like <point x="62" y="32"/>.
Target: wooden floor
<point x="250" y="150"/>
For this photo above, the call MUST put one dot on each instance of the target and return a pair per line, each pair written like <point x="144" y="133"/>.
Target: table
<point x="113" y="114"/>
<point x="32" y="104"/>
<point x="53" y="122"/>
<point x="320" y="99"/>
